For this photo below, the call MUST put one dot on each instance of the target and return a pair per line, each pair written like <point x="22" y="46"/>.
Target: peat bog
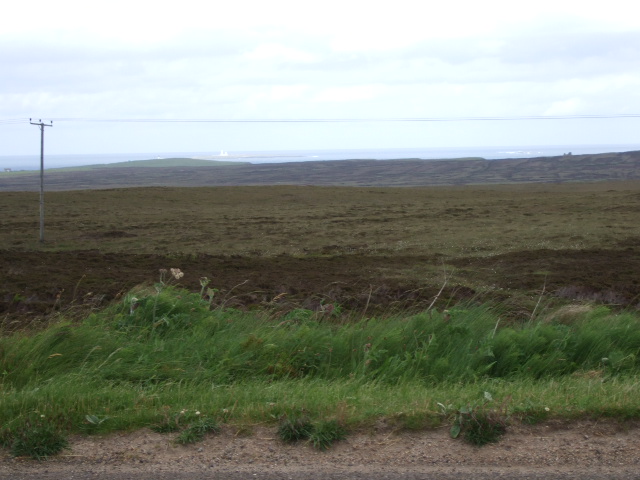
<point x="370" y="250"/>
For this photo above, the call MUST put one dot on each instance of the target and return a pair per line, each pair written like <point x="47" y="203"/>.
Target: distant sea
<point x="32" y="162"/>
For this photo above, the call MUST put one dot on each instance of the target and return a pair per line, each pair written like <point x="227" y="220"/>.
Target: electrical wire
<point x="330" y="120"/>
<point x="13" y="121"/>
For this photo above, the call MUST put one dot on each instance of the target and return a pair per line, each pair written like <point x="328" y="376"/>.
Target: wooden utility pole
<point x="41" y="125"/>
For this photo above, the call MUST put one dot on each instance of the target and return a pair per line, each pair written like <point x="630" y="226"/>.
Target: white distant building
<point x="7" y="169"/>
<point x="223" y="153"/>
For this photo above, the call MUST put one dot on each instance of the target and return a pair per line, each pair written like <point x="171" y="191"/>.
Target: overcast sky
<point x="347" y="59"/>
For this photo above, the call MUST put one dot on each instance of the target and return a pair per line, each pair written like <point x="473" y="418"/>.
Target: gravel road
<point x="589" y="450"/>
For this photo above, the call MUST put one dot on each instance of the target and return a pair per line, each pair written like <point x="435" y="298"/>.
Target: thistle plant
<point x="177" y="274"/>
<point x="134" y="303"/>
<point x="163" y="275"/>
<point x="209" y="293"/>
<point x="204" y="281"/>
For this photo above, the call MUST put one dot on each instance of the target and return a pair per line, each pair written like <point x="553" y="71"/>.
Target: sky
<point x="236" y="66"/>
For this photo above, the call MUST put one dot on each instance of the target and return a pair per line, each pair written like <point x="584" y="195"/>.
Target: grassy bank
<point x="162" y="353"/>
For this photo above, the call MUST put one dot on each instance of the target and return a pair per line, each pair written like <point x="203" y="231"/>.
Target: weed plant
<point x="480" y="424"/>
<point x="482" y="428"/>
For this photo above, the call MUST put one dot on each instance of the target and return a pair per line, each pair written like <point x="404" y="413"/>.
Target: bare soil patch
<point x="36" y="285"/>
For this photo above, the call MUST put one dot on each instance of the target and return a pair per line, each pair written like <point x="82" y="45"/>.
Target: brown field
<point x="371" y="250"/>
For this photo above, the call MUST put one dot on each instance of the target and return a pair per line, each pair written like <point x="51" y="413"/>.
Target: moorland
<point x="384" y="247"/>
<point x="342" y="302"/>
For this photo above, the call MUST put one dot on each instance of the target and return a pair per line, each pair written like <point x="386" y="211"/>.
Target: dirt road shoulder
<point x="599" y="449"/>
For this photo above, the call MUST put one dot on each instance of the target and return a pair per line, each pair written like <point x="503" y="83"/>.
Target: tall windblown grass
<point x="172" y="351"/>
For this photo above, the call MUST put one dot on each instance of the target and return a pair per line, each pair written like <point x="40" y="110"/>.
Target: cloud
<point x="293" y="59"/>
<point x="278" y="54"/>
<point x="357" y="93"/>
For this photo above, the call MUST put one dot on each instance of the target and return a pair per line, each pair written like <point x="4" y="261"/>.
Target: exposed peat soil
<point x="35" y="285"/>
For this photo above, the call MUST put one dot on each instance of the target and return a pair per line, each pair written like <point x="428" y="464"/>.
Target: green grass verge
<point x="162" y="357"/>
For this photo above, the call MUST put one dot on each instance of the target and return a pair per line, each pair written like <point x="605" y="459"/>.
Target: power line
<point x="10" y="121"/>
<point x="346" y="120"/>
<point x="335" y="120"/>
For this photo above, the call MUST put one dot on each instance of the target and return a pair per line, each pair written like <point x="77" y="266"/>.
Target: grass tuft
<point x="197" y="430"/>
<point x="37" y="438"/>
<point x="293" y="428"/>
<point x="326" y="433"/>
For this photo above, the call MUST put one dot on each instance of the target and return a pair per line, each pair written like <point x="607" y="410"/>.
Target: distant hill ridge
<point x="183" y="172"/>
<point x="167" y="162"/>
